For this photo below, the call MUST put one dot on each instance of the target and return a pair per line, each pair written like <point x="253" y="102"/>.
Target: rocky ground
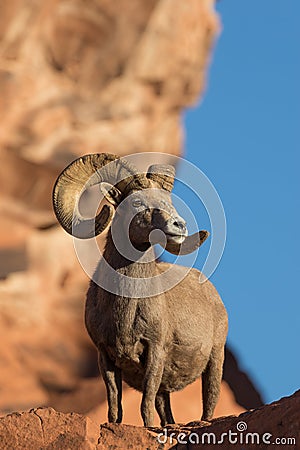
<point x="45" y="428"/>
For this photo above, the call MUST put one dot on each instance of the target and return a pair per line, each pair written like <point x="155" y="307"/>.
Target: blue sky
<point x="245" y="137"/>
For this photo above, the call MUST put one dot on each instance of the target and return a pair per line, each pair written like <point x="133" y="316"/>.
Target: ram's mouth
<point x="175" y="238"/>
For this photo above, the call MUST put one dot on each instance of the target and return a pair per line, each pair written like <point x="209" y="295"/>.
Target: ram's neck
<point x="142" y="267"/>
<point x="125" y="278"/>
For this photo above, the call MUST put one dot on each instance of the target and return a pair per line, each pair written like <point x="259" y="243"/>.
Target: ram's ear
<point x="189" y="245"/>
<point x="111" y="193"/>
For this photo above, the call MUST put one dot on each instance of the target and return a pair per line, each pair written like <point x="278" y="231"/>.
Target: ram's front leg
<point x="152" y="381"/>
<point x="112" y="377"/>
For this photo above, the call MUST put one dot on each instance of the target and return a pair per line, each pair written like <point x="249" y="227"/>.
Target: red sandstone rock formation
<point x="44" y="428"/>
<point x="77" y="77"/>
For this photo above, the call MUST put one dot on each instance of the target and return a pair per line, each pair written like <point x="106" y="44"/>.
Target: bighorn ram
<point x="157" y="343"/>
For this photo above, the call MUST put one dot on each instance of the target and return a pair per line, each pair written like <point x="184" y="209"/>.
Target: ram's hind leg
<point x="211" y="382"/>
<point x="163" y="407"/>
<point x="112" y="377"/>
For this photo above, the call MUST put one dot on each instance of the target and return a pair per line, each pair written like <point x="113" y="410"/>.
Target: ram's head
<point x="141" y="200"/>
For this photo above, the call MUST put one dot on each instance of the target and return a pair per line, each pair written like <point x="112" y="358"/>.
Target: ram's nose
<point x="176" y="226"/>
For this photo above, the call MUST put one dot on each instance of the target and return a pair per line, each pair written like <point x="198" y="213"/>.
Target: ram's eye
<point x="136" y="202"/>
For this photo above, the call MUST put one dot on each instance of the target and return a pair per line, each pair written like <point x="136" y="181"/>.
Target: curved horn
<point x="163" y="174"/>
<point x="81" y="174"/>
<point x="189" y="245"/>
